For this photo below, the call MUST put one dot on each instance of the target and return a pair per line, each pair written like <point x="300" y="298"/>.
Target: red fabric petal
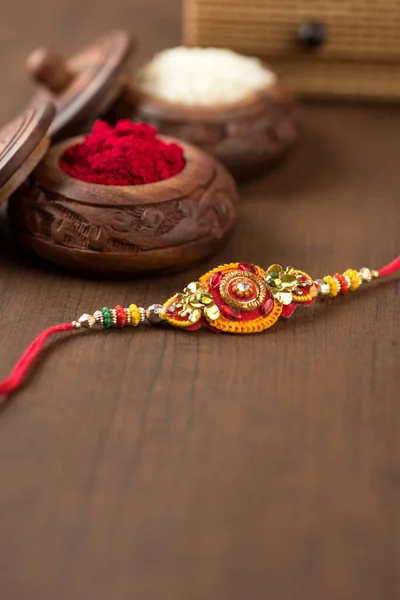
<point x="245" y="266"/>
<point x="288" y="310"/>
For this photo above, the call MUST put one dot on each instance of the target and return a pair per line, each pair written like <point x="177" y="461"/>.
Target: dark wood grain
<point x="166" y="225"/>
<point x="163" y="464"/>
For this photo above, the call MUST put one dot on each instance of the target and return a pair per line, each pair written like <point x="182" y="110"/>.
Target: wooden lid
<point x="83" y="86"/>
<point x="22" y="145"/>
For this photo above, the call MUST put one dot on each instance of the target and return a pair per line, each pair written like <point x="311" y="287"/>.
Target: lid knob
<point x="49" y="69"/>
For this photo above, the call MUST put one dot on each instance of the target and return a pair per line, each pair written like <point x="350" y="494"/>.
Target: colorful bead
<point x="121" y="316"/>
<point x="135" y="315"/>
<point x="365" y="274"/>
<point x="344" y="286"/>
<point x="105" y="311"/>
<point x="354" y="278"/>
<point x="333" y="285"/>
<point x="339" y="285"/>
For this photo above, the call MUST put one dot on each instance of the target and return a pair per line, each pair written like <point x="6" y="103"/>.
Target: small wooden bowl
<point x="124" y="229"/>
<point x="248" y="136"/>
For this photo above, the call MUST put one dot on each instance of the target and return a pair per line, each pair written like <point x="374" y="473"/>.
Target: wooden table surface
<point x="165" y="465"/>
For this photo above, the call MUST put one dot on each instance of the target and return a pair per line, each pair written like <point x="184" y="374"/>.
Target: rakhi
<point x="234" y="298"/>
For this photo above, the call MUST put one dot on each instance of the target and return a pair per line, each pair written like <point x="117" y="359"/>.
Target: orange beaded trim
<point x="255" y="326"/>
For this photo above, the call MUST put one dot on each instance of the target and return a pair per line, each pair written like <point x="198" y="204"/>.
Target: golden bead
<point x="128" y="316"/>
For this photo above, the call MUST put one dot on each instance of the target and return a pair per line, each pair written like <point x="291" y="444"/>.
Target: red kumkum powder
<point x="128" y="154"/>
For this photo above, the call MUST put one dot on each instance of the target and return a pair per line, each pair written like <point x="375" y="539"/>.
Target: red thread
<point x="21" y="368"/>
<point x="392" y="267"/>
<point x="128" y="154"/>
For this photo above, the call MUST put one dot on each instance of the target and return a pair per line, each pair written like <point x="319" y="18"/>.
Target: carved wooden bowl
<point x="124" y="229"/>
<point x="248" y="136"/>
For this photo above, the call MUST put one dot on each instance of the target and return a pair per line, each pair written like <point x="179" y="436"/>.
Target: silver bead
<point x="365" y="274"/>
<point x="142" y="314"/>
<point x="87" y="321"/>
<point x="98" y="315"/>
<point x="153" y="314"/>
<point x="323" y="287"/>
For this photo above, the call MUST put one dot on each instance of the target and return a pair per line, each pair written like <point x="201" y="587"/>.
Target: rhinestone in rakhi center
<point x="242" y="290"/>
<point x="243" y="286"/>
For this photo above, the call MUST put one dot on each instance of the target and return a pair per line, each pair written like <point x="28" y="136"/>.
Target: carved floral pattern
<point x="206" y="214"/>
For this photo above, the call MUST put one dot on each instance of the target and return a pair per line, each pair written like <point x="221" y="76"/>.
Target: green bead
<point x="105" y="311"/>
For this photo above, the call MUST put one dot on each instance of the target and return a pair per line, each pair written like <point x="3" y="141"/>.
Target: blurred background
<point x="68" y="25"/>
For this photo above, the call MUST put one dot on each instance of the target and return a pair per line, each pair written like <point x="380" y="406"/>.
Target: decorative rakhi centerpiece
<point x="240" y="298"/>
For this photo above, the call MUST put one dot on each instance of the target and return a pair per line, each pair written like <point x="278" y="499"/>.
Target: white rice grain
<point x="203" y="76"/>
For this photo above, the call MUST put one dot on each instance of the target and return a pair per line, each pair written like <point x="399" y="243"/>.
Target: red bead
<point x="344" y="286"/>
<point x="121" y="316"/>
